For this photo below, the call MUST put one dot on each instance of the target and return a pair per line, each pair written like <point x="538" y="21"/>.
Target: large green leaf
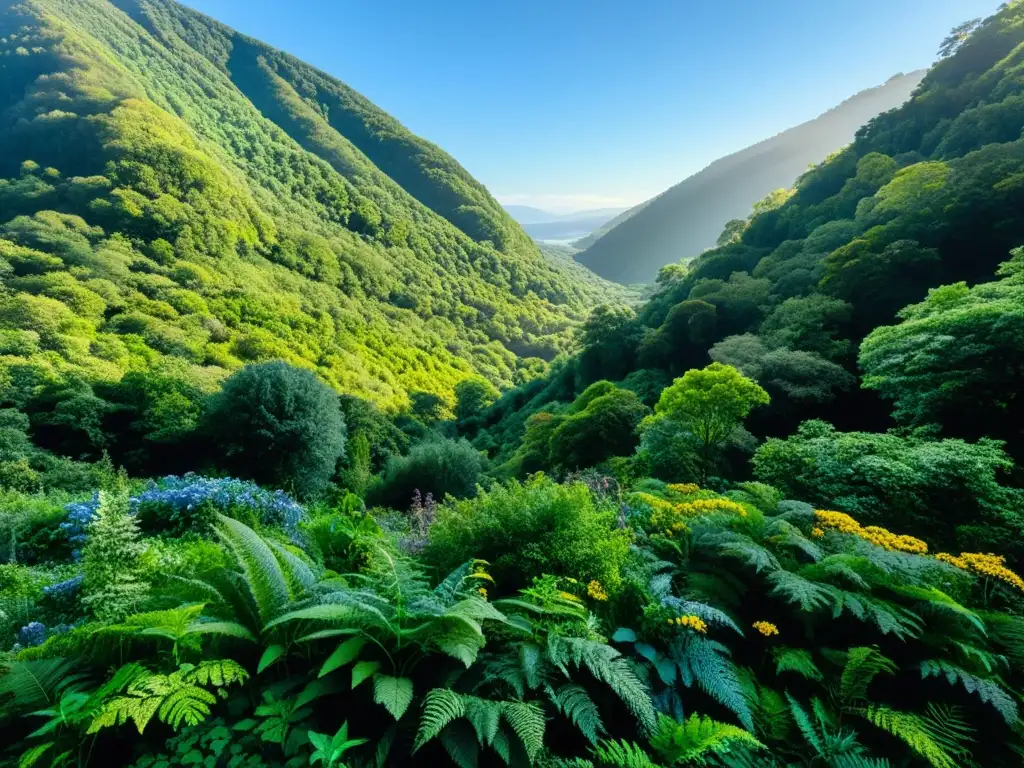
<point x="344" y="654"/>
<point x="395" y="693"/>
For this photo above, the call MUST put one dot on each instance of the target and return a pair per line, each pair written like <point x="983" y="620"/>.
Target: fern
<point x="703" y="611"/>
<point x="574" y="702"/>
<point x="31" y="685"/>
<point x="916" y="732"/>
<point x="440" y="707"/>
<point x="677" y="743"/>
<point x="988" y="691"/>
<point x="622" y="754"/>
<point x="458" y="741"/>
<point x="796" y="660"/>
<point x="607" y="665"/>
<point x="810" y="730"/>
<point x="797" y="590"/>
<point x="174" y="699"/>
<point x="263" y="574"/>
<point x="862" y="666"/>
<point x="527" y="720"/>
<point x="706" y="663"/>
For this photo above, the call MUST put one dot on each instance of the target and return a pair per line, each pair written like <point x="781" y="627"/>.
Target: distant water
<point x="566" y="240"/>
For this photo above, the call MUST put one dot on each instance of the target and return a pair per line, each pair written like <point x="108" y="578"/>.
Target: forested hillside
<point x="685" y="220"/>
<point x="771" y="518"/>
<point x="179" y="198"/>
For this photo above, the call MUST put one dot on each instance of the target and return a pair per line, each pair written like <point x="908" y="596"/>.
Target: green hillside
<point x="176" y="196"/>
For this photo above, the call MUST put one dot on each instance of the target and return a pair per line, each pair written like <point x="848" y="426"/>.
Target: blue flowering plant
<point x="177" y="506"/>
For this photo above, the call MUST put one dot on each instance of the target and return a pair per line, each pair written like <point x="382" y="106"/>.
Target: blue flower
<point x="65" y="589"/>
<point x="31" y="635"/>
<point x="189" y="492"/>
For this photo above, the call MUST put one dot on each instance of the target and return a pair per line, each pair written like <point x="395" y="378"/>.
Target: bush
<point x="278" y="425"/>
<point x="602" y="424"/>
<point x="534" y="528"/>
<point x="438" y="467"/>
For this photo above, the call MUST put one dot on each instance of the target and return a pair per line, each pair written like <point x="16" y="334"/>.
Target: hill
<point x="686" y="219"/>
<point x="175" y="196"/>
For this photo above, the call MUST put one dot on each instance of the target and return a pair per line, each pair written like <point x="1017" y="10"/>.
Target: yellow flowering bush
<point x="880" y="537"/>
<point x="695" y="623"/>
<point x="670" y="519"/>
<point x="596" y="591"/>
<point x="766" y="628"/>
<point x="684" y="488"/>
<point x="988" y="565"/>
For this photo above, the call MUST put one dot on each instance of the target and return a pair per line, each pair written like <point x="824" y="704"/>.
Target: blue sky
<point x="568" y="104"/>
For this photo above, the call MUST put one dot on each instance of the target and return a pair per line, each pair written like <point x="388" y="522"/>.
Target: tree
<point x="112" y="586"/>
<point x="711" y="403"/>
<point x="957" y="359"/>
<point x="732" y="232"/>
<point x="438" y="467"/>
<point x="278" y="425"/>
<point x="472" y="397"/>
<point x="957" y="37"/>
<point x="602" y="424"/>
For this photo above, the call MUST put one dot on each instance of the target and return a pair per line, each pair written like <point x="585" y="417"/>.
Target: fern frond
<point x="863" y="665"/>
<point x="913" y="731"/>
<point x="527" y="720"/>
<point x="988" y="691"/>
<point x="622" y="754"/>
<point x="797" y="660"/>
<point x="459" y="742"/>
<point x="703" y="611"/>
<point x="707" y="663"/>
<point x="485" y="717"/>
<point x="258" y="563"/>
<point x="797" y="590"/>
<point x="607" y="665"/>
<point x="939" y="603"/>
<point x="752" y="554"/>
<point x="440" y="707"/>
<point x="574" y="702"/>
<point x="31" y="685"/>
<point x="680" y="743"/>
<point x="808" y="727"/>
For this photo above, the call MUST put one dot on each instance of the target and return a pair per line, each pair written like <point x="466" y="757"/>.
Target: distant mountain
<point x="607" y="227"/>
<point x="544" y="225"/>
<point x="688" y="218"/>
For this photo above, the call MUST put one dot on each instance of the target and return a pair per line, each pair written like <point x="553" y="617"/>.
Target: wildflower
<point x="990" y="566"/>
<point x="693" y="622"/>
<point x="482" y="591"/>
<point x="817" y="532"/>
<point x="766" y="628"/>
<point x="880" y="537"/>
<point x="596" y="590"/>
<point x="684" y="488"/>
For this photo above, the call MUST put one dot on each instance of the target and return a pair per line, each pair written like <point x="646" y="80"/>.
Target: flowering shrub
<point x="669" y="518"/>
<point x="32" y="634"/>
<point x="989" y="566"/>
<point x="880" y="537"/>
<point x="187" y="503"/>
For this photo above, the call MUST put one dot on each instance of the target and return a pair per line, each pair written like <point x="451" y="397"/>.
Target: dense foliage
<point x="697" y="542"/>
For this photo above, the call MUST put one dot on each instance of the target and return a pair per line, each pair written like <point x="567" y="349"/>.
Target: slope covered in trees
<point x="177" y="197"/>
<point x="685" y="220"/>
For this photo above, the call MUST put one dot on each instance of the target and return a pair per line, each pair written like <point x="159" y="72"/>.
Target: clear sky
<point x="568" y="104"/>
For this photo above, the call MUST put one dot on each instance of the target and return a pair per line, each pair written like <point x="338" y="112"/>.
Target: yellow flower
<point x="482" y="592"/>
<point x="990" y="566"/>
<point x="693" y="622"/>
<point x="684" y="488"/>
<point x="766" y="628"/>
<point x="596" y="591"/>
<point x="880" y="537"/>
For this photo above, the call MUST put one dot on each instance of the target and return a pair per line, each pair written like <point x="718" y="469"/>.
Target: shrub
<point x="531" y="528"/>
<point x="278" y="425"/>
<point x="439" y="467"/>
<point x="602" y="424"/>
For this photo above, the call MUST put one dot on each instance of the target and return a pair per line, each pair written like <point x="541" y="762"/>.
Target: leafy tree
<point x="473" y="397"/>
<point x="915" y="483"/>
<point x="957" y="37"/>
<point x="278" y="425"/>
<point x="440" y="467"/>
<point x="711" y="403"/>
<point x="601" y="423"/>
<point x="956" y="359"/>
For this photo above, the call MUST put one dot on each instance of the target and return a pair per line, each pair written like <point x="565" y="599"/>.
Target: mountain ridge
<point x="685" y="219"/>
